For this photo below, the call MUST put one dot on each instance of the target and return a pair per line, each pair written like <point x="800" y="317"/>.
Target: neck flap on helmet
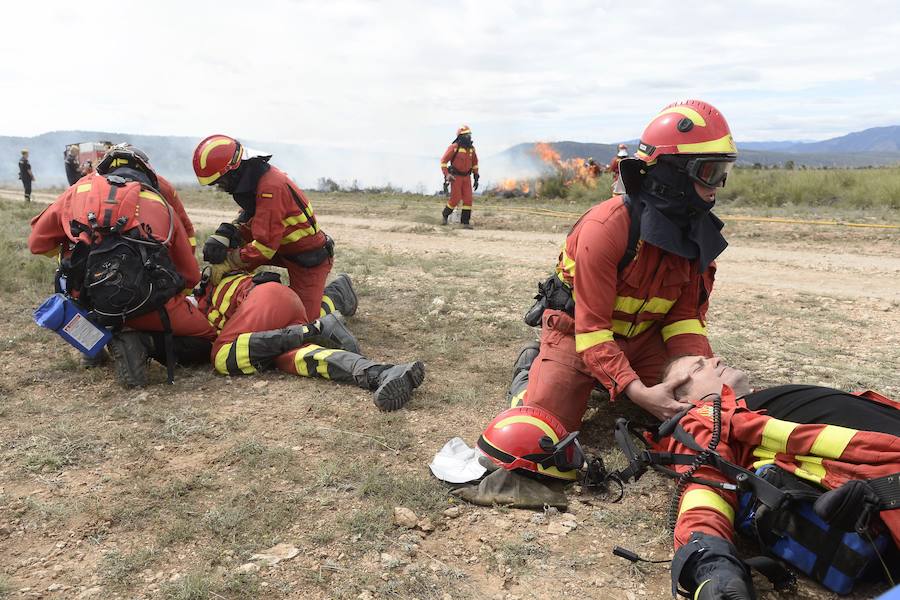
<point x="676" y="218"/>
<point x="247" y="177"/>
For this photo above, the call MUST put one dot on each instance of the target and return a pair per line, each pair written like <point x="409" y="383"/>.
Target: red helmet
<point x="530" y="438"/>
<point x="464" y="130"/>
<point x="215" y="156"/>
<point x="696" y="129"/>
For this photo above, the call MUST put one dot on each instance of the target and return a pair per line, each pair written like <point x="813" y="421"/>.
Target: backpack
<point x="121" y="272"/>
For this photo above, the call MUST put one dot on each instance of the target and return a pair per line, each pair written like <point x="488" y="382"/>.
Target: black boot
<point x="330" y="332"/>
<point x="520" y="370"/>
<point x="446" y="214"/>
<point x="130" y="351"/>
<point x="343" y="297"/>
<point x="394" y="384"/>
<point x="465" y="218"/>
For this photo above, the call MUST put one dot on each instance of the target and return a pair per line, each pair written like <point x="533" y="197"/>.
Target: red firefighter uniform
<point x="170" y="194"/>
<point x="614" y="166"/>
<point x="51" y="235"/>
<point x="827" y="455"/>
<point x="462" y="163"/>
<point x="627" y="324"/>
<point x="281" y="232"/>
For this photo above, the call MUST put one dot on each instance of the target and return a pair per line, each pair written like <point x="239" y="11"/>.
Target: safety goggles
<point x="565" y="455"/>
<point x="710" y="171"/>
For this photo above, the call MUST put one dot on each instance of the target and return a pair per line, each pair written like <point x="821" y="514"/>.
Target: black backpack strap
<point x="169" y="343"/>
<point x="635" y="208"/>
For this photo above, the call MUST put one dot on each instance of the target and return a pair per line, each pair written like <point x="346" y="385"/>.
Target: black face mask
<point x="465" y="141"/>
<point x="676" y="218"/>
<point x="245" y="179"/>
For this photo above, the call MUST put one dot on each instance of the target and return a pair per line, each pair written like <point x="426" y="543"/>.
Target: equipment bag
<point x="795" y="534"/>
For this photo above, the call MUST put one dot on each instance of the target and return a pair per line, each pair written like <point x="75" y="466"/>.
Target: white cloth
<point x="457" y="463"/>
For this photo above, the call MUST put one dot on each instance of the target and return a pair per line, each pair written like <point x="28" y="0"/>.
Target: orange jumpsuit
<point x="283" y="227"/>
<point x="462" y="163"/>
<point x="51" y="235"/>
<point x="827" y="455"/>
<point x="169" y="192"/>
<point x="626" y="324"/>
<point x="248" y="317"/>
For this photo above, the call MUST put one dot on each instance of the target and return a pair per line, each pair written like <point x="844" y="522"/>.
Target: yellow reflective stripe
<point x="686" y="111"/>
<point x="517" y="399"/>
<point x="84" y="187"/>
<point x="322" y="366"/>
<point x="445" y="164"/>
<point x="243" y="354"/>
<point x="295" y="220"/>
<point x="810" y="468"/>
<point x="232" y="284"/>
<point x="264" y="250"/>
<point x="583" y="341"/>
<point x="761" y="452"/>
<point x="624" y="328"/>
<point x="52" y="253"/>
<point x="629" y="305"/>
<point x="208" y="180"/>
<point x="548" y="431"/>
<point x="776" y="433"/>
<point x="266" y="195"/>
<point x="296" y="235"/>
<point x="682" y="327"/>
<point x="329" y="303"/>
<point x="151" y="196"/>
<point x="302" y="353"/>
<point x="554" y="472"/>
<point x="568" y="264"/>
<point x="192" y="241"/>
<point x="696" y="595"/>
<point x="762" y="463"/>
<point x="723" y="145"/>
<point x="832" y="441"/>
<point x="703" y="498"/>
<point x="204" y="154"/>
<point x="222" y="357"/>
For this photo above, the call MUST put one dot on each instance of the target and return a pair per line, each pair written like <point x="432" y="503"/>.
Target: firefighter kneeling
<point x="263" y="324"/>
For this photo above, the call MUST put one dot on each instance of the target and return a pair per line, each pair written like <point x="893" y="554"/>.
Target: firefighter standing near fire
<point x="276" y="226"/>
<point x="633" y="280"/>
<point x="25" y="174"/>
<point x="621" y="153"/>
<point x="459" y="164"/>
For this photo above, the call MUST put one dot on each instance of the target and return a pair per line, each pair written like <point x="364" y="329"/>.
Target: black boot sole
<point x="396" y="392"/>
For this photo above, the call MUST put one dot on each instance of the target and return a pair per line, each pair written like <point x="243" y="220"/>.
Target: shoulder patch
<point x="266" y="195"/>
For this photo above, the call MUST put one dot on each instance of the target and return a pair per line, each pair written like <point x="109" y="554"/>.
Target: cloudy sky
<point x="403" y="75"/>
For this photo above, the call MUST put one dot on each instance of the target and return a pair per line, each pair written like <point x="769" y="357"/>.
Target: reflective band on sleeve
<point x="151" y="196"/>
<point x="631" y="306"/>
<point x="294" y="220"/>
<point x="583" y="341"/>
<point x="243" y="354"/>
<point x="682" y="327"/>
<point x="832" y="441"/>
<point x="630" y="330"/>
<point x="264" y="250"/>
<point x="296" y="235"/>
<point x="192" y="241"/>
<point x="776" y="433"/>
<point x="568" y="265"/>
<point x="221" y="357"/>
<point x="810" y="468"/>
<point x="703" y="498"/>
<point x="445" y="164"/>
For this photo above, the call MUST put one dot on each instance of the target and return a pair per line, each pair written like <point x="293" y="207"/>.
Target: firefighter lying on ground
<point x="262" y="324"/>
<point x="459" y="164"/>
<point x="644" y="273"/>
<point x="84" y="226"/>
<point x="276" y="225"/>
<point x="845" y="437"/>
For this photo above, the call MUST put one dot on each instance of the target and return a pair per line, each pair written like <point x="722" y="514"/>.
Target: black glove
<point x="215" y="250"/>
<point x="446" y="187"/>
<point x="266" y="277"/>
<point x="709" y="569"/>
<point x="230" y="231"/>
<point x="477" y="176"/>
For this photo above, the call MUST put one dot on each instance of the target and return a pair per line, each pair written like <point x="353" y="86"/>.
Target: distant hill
<point x="879" y="146"/>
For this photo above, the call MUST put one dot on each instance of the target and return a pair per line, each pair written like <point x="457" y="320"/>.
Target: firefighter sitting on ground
<point x="99" y="227"/>
<point x="459" y="164"/>
<point x="25" y="174"/>
<point x="276" y="226"/>
<point x="817" y="434"/>
<point x="262" y="324"/>
<point x="644" y="273"/>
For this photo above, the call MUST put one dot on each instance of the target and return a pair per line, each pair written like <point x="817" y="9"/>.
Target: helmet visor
<point x="711" y="171"/>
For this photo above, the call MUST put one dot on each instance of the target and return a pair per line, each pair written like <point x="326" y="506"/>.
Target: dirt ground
<point x="167" y="492"/>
